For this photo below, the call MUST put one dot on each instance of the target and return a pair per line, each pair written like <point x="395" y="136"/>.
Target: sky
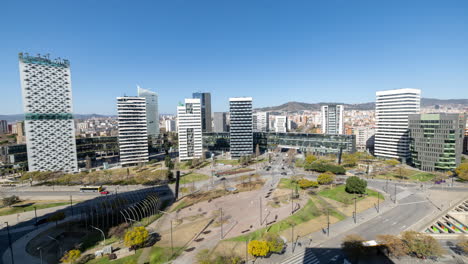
<point x="274" y="51"/>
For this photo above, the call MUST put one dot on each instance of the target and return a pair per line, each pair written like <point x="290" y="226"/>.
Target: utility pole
<point x="221" y="222"/>
<point x="9" y="243"/>
<point x="395" y="193"/>
<point x="35" y="216"/>
<point x="292" y="238"/>
<point x="261" y="217"/>
<point x="71" y="204"/>
<point x="292" y="205"/>
<point x="378" y="202"/>
<point x="355" y="209"/>
<point x="328" y="221"/>
<point x="172" y="243"/>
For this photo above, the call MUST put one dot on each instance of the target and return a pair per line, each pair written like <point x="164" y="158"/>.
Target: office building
<point x="152" y="114"/>
<point x="281" y="123"/>
<point x="364" y="138"/>
<point x="47" y="104"/>
<point x="220" y="122"/>
<point x="436" y="140"/>
<point x="261" y="122"/>
<point x="3" y="127"/>
<point x="391" y="111"/>
<point x="20" y="135"/>
<point x="205" y="100"/>
<point x="189" y="128"/>
<point x="332" y="119"/>
<point x="170" y="125"/>
<point x="465" y="142"/>
<point x="133" y="130"/>
<point x="241" y="137"/>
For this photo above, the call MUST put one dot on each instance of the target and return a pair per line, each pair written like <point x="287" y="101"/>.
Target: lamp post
<point x="102" y="232"/>
<point x="172" y="242"/>
<point x="40" y="253"/>
<point x="9" y="243"/>
<point x="355" y="209"/>
<point x="58" y="243"/>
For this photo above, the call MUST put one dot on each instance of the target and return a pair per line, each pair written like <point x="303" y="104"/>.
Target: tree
<point x="350" y="159"/>
<point x="56" y="217"/>
<point x="352" y="245"/>
<point x="258" y="248"/>
<point x="71" y="256"/>
<point x="326" y="178"/>
<point x="462" y="171"/>
<point x="274" y="242"/>
<point x="355" y="185"/>
<point x="421" y="245"/>
<point x="204" y="257"/>
<point x="394" y="244"/>
<point x="392" y="162"/>
<point x="136" y="237"/>
<point x="10" y="200"/>
<point x="310" y="159"/>
<point x="304" y="183"/>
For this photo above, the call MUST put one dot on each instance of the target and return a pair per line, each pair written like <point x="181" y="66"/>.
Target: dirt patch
<point x="182" y="234"/>
<point x="227" y="248"/>
<point x="348" y="210"/>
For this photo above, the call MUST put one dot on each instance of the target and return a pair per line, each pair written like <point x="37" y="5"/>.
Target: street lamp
<point x="40" y="253"/>
<point x="9" y="242"/>
<point x="172" y="242"/>
<point x="103" y="236"/>
<point x="58" y="243"/>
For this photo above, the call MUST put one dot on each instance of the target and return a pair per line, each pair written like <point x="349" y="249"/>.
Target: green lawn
<point x="333" y="212"/>
<point x="193" y="177"/>
<point x="229" y="162"/>
<point x="306" y="213"/>
<point x="161" y="255"/>
<point x="407" y="174"/>
<point x="15" y="210"/>
<point x="286" y="183"/>
<point x="339" y="194"/>
<point x="132" y="259"/>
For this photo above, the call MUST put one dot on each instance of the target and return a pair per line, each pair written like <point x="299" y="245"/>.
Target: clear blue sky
<point x="274" y="51"/>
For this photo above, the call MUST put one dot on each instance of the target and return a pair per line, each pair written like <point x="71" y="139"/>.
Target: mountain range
<point x="19" y="117"/>
<point x="298" y="106"/>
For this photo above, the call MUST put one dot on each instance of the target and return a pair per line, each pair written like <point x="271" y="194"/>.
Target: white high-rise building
<point x="332" y="119"/>
<point x="152" y="114"/>
<point x="133" y="132"/>
<point x="391" y="111"/>
<point x="170" y="125"/>
<point x="189" y="127"/>
<point x="240" y="131"/>
<point x="281" y="123"/>
<point x="47" y="104"/>
<point x="261" y="121"/>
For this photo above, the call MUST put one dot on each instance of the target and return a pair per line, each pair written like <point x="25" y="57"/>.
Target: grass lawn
<point x="132" y="259"/>
<point x="333" y="212"/>
<point x="306" y="213"/>
<point x="193" y="177"/>
<point x="407" y="174"/>
<point x="228" y="162"/>
<point x="161" y="255"/>
<point x="286" y="183"/>
<point x="15" y="210"/>
<point x="339" y="194"/>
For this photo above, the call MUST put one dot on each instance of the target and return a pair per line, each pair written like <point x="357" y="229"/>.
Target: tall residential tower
<point x="47" y="103"/>
<point x="241" y="135"/>
<point x="152" y="114"/>
<point x="189" y="128"/>
<point x="205" y="100"/>
<point x="391" y="111"/>
<point x="332" y="119"/>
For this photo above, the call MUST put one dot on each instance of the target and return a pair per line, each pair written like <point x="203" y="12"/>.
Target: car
<point x="283" y="173"/>
<point x="104" y="192"/>
<point x="222" y="179"/>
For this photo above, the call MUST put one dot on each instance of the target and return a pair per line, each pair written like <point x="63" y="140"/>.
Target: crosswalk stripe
<point x="301" y="258"/>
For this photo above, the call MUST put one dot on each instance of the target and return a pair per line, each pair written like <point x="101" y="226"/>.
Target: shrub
<point x="321" y="166"/>
<point x="136" y="236"/>
<point x="10" y="200"/>
<point x="71" y="256"/>
<point x="304" y="183"/>
<point x="258" y="248"/>
<point x="310" y="159"/>
<point x="274" y="242"/>
<point x="394" y="244"/>
<point x="422" y="245"/>
<point x="355" y="185"/>
<point x="326" y="178"/>
<point x="392" y="162"/>
<point x="118" y="231"/>
<point x="462" y="171"/>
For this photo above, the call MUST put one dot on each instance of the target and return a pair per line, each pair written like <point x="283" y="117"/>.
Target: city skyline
<point x="384" y="50"/>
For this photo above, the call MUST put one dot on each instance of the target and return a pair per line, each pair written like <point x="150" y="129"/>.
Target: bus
<point x="91" y="189"/>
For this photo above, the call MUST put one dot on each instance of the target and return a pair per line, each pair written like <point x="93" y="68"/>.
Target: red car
<point x="104" y="192"/>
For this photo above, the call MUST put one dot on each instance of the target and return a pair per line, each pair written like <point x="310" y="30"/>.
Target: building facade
<point x="220" y="122"/>
<point x="436" y="140"/>
<point x="281" y="124"/>
<point x="170" y="125"/>
<point x="364" y="138"/>
<point x="332" y="119"/>
<point x="189" y="128"/>
<point x="152" y="113"/>
<point x="391" y="110"/>
<point x="205" y="100"/>
<point x="133" y="132"/>
<point x="20" y="134"/>
<point x="47" y="103"/>
<point x="3" y="127"/>
<point x="261" y="122"/>
<point x="241" y="134"/>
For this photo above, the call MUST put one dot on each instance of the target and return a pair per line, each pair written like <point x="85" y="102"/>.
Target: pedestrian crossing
<point x="304" y="257"/>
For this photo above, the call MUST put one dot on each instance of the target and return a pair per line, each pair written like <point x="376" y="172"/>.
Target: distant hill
<point x="20" y="117"/>
<point x="298" y="106"/>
